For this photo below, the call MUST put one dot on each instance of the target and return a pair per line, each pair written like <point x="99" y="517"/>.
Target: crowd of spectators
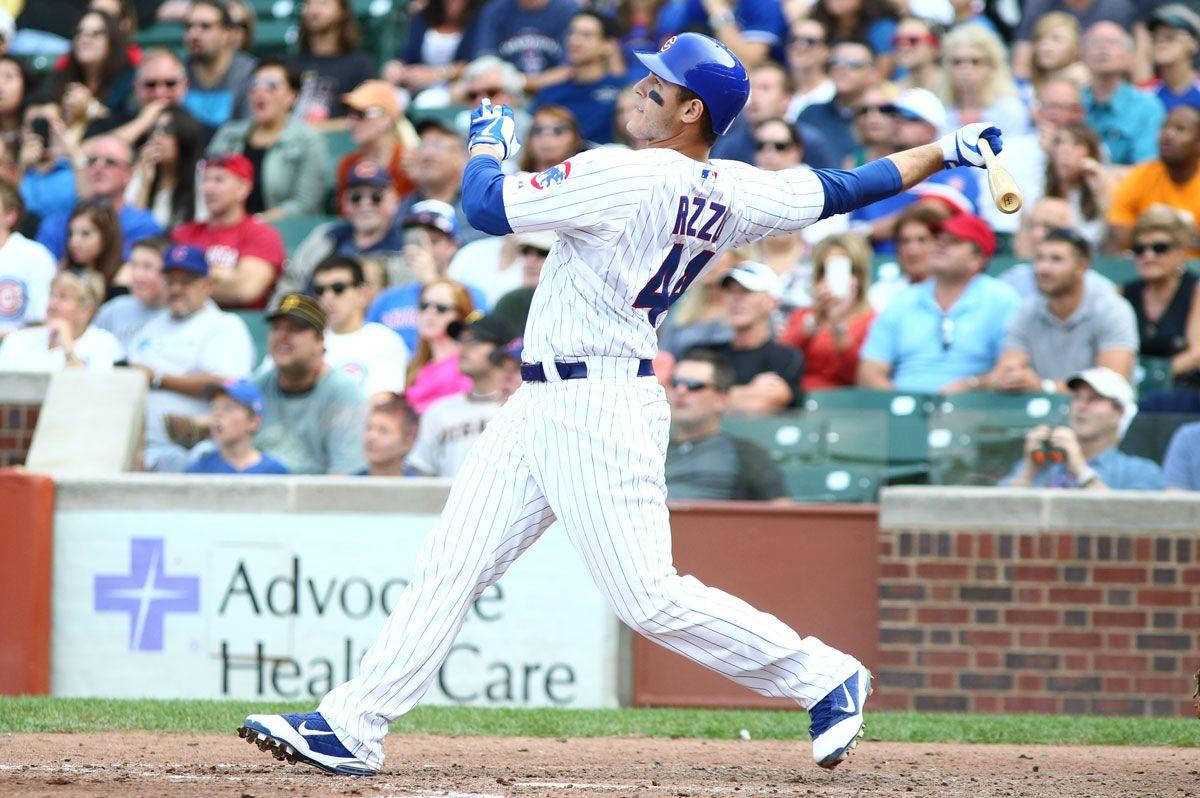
<point x="142" y="193"/>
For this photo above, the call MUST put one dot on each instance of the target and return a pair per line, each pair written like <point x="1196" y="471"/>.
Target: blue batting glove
<point x="961" y="148"/>
<point x="494" y="125"/>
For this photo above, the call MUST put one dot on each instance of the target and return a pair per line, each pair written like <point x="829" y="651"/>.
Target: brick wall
<point x="1049" y="622"/>
<point x="17" y="422"/>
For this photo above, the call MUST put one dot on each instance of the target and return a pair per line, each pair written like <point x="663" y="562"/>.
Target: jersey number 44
<point x="658" y="294"/>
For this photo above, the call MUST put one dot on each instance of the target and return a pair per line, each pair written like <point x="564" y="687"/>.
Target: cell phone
<point x="837" y="275"/>
<point x="40" y="126"/>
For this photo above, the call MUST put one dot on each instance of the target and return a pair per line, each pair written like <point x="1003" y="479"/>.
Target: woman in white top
<point x="979" y="85"/>
<point x="67" y="339"/>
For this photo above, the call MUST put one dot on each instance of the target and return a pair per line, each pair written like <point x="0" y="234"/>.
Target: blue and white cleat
<point x="303" y="738"/>
<point x="837" y="719"/>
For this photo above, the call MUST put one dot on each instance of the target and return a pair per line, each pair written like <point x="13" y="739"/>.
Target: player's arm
<point x="846" y="190"/>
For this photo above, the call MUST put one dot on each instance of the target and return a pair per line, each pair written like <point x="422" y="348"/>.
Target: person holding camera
<point x="1084" y="454"/>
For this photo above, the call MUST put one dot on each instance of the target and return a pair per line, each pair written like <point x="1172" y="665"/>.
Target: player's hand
<point x="494" y="126"/>
<point x="961" y="148"/>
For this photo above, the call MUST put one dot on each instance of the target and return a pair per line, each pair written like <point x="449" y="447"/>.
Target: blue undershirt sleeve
<point x="483" y="196"/>
<point x="846" y="190"/>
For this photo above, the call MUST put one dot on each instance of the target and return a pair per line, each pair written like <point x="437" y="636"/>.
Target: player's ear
<point x="691" y="110"/>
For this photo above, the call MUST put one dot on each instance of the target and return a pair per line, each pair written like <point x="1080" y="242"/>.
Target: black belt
<point x="535" y="372"/>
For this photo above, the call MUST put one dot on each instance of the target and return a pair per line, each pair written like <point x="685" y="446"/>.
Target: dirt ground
<point x="144" y="764"/>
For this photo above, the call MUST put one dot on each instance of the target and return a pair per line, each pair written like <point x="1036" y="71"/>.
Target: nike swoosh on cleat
<point x="304" y="729"/>
<point x="850" y="706"/>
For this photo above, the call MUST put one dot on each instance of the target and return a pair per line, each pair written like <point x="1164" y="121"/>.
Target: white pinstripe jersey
<point x="635" y="229"/>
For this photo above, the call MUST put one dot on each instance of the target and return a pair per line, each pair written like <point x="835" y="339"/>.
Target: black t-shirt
<point x="324" y="79"/>
<point x="772" y="356"/>
<point x="255" y="203"/>
<point x="721" y="467"/>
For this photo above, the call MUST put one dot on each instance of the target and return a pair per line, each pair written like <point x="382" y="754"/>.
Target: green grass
<point x="41" y="714"/>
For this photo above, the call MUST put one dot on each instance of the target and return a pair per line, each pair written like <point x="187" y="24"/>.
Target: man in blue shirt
<point x="106" y="176"/>
<point x="528" y="34"/>
<point x="942" y="335"/>
<point x="591" y="91"/>
<point x="1127" y="120"/>
<point x="1182" y="463"/>
<point x="237" y="408"/>
<point x="852" y="70"/>
<point x="1084" y="454"/>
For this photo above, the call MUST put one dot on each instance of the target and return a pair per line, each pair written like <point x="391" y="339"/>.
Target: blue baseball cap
<point x="185" y="258"/>
<point x="436" y="214"/>
<point x="243" y="392"/>
<point x="368" y="173"/>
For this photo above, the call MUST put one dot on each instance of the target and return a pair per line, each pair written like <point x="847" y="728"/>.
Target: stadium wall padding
<point x="26" y="538"/>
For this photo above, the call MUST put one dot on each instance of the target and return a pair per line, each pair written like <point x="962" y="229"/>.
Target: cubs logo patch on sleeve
<point x="552" y="176"/>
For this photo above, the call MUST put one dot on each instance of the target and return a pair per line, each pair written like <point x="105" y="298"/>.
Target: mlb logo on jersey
<point x="12" y="298"/>
<point x="552" y="176"/>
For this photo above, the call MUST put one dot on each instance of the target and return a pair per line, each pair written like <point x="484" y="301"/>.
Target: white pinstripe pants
<point x="590" y="453"/>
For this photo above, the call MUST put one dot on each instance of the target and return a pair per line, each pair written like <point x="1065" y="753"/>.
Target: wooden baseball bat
<point x="1004" y="189"/>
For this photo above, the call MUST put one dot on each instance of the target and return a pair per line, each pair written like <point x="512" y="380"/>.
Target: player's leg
<point x="494" y="512"/>
<point x="598" y="454"/>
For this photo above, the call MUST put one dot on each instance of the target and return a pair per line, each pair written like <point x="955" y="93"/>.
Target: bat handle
<point x="989" y="157"/>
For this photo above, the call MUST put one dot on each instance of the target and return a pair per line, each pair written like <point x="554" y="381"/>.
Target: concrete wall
<point x="1038" y="601"/>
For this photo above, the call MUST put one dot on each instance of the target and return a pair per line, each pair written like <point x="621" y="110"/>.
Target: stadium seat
<point x="295" y="229"/>
<point x="975" y="438"/>
<point x="256" y="323"/>
<point x="161" y="34"/>
<point x="276" y="36"/>
<point x="906" y="416"/>
<point x="786" y="438"/>
<point x="830" y="482"/>
<point x="1150" y="433"/>
<point x="339" y="143"/>
<point x="1153" y="374"/>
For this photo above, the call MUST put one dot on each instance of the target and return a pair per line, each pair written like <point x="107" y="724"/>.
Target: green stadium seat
<point x="1119" y="270"/>
<point x="906" y="416"/>
<point x="1153" y="374"/>
<point x="975" y="438"/>
<point x="810" y="482"/>
<point x="446" y="115"/>
<point x="276" y="36"/>
<point x="786" y="438"/>
<point x="295" y="229"/>
<point x="339" y="143"/>
<point x="256" y="323"/>
<point x="161" y="34"/>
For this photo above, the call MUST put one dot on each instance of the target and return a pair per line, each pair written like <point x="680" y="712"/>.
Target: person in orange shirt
<point x="831" y="332"/>
<point x="372" y="116"/>
<point x="1174" y="179"/>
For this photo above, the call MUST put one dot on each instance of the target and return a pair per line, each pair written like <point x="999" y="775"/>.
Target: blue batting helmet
<point x="708" y="68"/>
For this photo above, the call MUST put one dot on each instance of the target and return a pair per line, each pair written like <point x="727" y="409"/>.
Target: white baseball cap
<point x="756" y="277"/>
<point x="922" y="105"/>
<point x="1111" y="386"/>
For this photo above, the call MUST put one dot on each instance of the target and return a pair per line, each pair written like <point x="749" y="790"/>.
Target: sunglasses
<point x="848" y="63"/>
<point x="557" y="130"/>
<point x="975" y="62"/>
<point x="808" y="41"/>
<point x="886" y="109"/>
<point x="106" y="160"/>
<point x="1158" y="248"/>
<point x="200" y="25"/>
<point x="358" y="197"/>
<point x="166" y="83"/>
<point x="166" y="128"/>
<point x="690" y="385"/>
<point x="947" y="333"/>
<point x="438" y="306"/>
<point x="778" y="146"/>
<point x="534" y="252"/>
<point x="265" y="83"/>
<point x="337" y="288"/>
<point x="370" y="113"/>
<point x="90" y="33"/>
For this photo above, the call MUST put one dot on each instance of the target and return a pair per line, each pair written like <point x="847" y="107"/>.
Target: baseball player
<point x="583" y="440"/>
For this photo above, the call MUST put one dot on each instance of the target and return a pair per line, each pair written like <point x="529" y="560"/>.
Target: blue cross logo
<point x="147" y="594"/>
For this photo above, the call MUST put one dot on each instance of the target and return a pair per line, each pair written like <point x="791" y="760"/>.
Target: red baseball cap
<point x="233" y="162"/>
<point x="968" y="227"/>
